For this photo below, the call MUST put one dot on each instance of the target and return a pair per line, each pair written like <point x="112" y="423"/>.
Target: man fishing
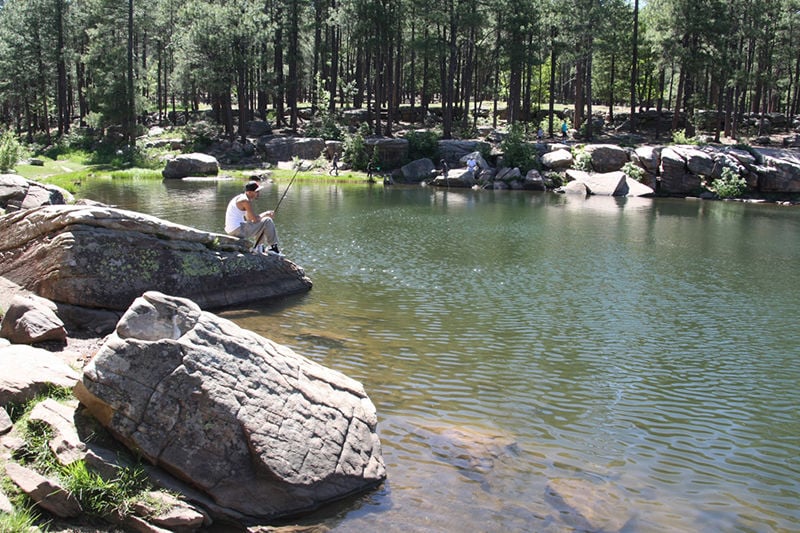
<point x="242" y="221"/>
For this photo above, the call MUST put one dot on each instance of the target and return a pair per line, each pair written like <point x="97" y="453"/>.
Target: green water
<point x="645" y="348"/>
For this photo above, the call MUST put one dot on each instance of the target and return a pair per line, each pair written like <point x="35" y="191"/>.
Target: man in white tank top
<point x="242" y="221"/>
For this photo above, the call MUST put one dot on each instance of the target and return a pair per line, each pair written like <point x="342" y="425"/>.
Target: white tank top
<point x="233" y="215"/>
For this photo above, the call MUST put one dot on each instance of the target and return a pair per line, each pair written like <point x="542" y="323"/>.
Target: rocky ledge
<point x="100" y="257"/>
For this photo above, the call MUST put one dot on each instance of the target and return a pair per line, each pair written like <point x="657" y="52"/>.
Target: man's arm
<point x="247" y="206"/>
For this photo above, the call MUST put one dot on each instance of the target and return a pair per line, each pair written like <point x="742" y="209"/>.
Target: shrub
<point x="634" y="171"/>
<point x="354" y="151"/>
<point x="517" y="152"/>
<point x="422" y="144"/>
<point x="730" y="184"/>
<point x="679" y="137"/>
<point x="10" y="150"/>
<point x="583" y="160"/>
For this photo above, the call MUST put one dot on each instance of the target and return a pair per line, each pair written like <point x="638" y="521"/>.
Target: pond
<point x="642" y="351"/>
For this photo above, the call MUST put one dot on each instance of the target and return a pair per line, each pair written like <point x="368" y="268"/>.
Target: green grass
<point x="52" y="167"/>
<point x="97" y="496"/>
<point x="22" y="520"/>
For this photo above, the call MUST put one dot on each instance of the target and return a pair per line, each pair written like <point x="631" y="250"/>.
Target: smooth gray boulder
<point x="280" y="148"/>
<point x="607" y="157"/>
<point x="389" y="152"/>
<point x="262" y="430"/>
<point x="453" y="150"/>
<point x="196" y="164"/>
<point x="102" y="257"/>
<point x="558" y="159"/>
<point x="417" y="171"/>
<point x="675" y="175"/>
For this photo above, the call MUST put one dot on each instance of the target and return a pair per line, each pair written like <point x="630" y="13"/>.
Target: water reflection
<point x="517" y="345"/>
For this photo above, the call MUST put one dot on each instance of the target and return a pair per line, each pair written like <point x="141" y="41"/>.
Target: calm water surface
<point x="644" y="350"/>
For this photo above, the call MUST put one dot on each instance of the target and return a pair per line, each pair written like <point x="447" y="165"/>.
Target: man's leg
<point x="268" y="234"/>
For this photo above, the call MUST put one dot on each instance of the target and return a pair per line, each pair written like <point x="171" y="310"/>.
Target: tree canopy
<point x="109" y="64"/>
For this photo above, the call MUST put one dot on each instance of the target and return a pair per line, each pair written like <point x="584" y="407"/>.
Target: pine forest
<point x="117" y="64"/>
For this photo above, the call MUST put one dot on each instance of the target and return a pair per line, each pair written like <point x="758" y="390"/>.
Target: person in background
<point x="334" y="165"/>
<point x="471" y="164"/>
<point x="564" y="129"/>
<point x="370" y="171"/>
<point x="242" y="221"/>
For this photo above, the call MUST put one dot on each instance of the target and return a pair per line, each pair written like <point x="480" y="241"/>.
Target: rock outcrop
<point x="102" y="257"/>
<point x="261" y="430"/>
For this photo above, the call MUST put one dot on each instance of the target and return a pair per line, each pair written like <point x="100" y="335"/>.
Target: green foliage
<point x="729" y="185"/>
<point x="557" y="179"/>
<point x="632" y="170"/>
<point x="22" y="520"/>
<point x="583" y="160"/>
<point x="137" y="173"/>
<point x="324" y="123"/>
<point x="517" y="151"/>
<point x="10" y="150"/>
<point x="355" y="152"/>
<point x="422" y="144"/>
<point x="97" y="496"/>
<point x="100" y="497"/>
<point x="679" y="137"/>
<point x="200" y="135"/>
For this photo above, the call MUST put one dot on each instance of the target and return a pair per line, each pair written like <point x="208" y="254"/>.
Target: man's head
<point x="253" y="186"/>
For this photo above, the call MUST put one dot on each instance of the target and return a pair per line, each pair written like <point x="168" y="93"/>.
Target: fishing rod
<point x="287" y="188"/>
<point x="261" y="233"/>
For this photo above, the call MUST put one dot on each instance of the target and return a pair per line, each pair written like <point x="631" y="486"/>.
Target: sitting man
<point x="242" y="221"/>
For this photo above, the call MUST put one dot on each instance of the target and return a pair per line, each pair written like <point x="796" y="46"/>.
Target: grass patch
<point x="22" y="520"/>
<point x="98" y="496"/>
<point x="51" y="167"/>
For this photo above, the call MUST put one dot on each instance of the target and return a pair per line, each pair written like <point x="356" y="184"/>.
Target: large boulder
<point x="287" y="148"/>
<point x="102" y="257"/>
<point x="558" y="159"/>
<point x="262" y="430"/>
<point x="675" y="175"/>
<point x="780" y="171"/>
<point x="607" y="157"/>
<point x="453" y="150"/>
<point x="186" y="165"/>
<point x="417" y="171"/>
<point x="390" y="153"/>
